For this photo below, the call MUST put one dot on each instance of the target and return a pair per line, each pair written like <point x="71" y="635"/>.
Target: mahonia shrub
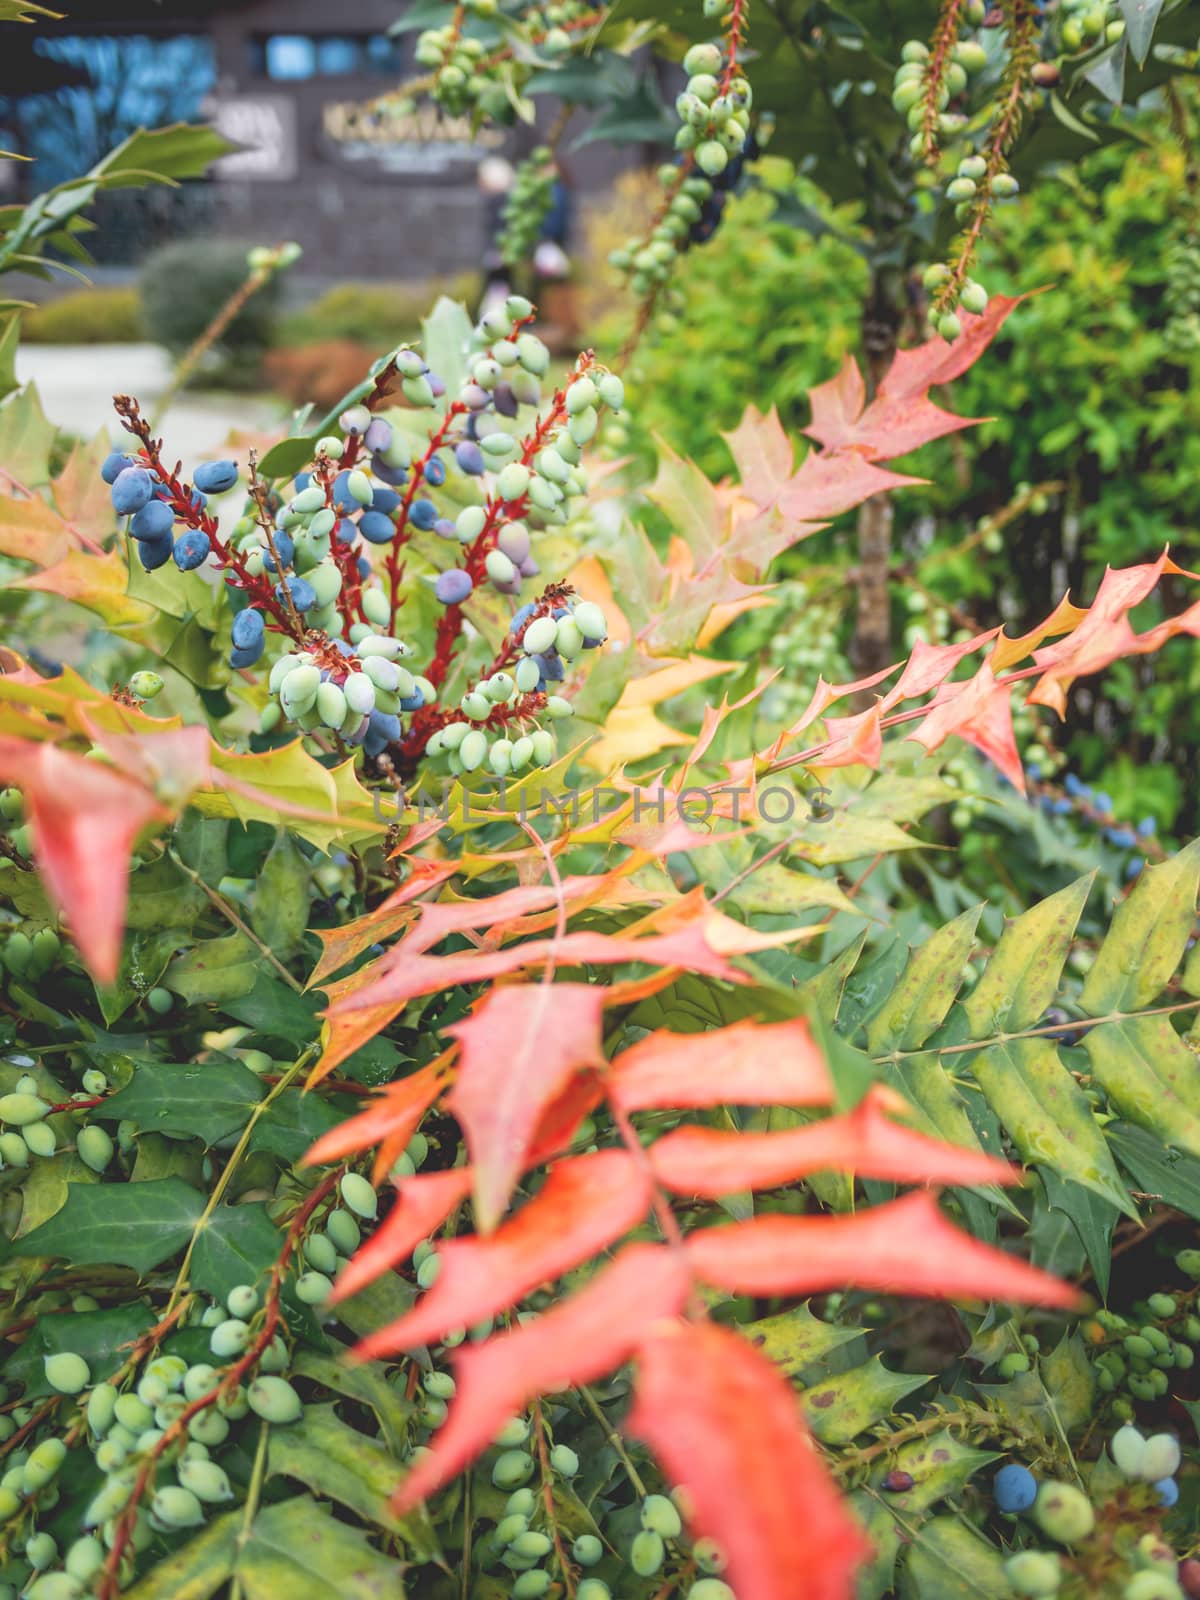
<point x="431" y="1169"/>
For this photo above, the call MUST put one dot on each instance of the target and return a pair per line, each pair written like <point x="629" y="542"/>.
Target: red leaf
<point x="85" y="819"/>
<point x="773" y="1063"/>
<point x="585" y="1203"/>
<point x="422" y="1204"/>
<point x="726" y="1427"/>
<point x="520" y="1047"/>
<point x="905" y="1247"/>
<point x="980" y="711"/>
<point x="397" y="1109"/>
<point x="580" y="1340"/>
<point x="713" y="1161"/>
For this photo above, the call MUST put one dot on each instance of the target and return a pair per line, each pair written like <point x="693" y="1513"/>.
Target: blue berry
<point x="154" y="521"/>
<point x="521" y="618"/>
<point x="385" y="500"/>
<point x="1145" y="828"/>
<point x="1062" y="808"/>
<point x="393" y="475"/>
<point x="378" y="435"/>
<point x="453" y="587"/>
<point x="1014" y="1488"/>
<point x="114" y="465"/>
<point x="345" y="531"/>
<point x="302" y="481"/>
<point x="285" y="549"/>
<point x="469" y="457"/>
<point x="304" y="596"/>
<point x="131" y="490"/>
<point x="376" y="528"/>
<point x="1123" y="838"/>
<point x="1102" y="801"/>
<point x="445" y="529"/>
<point x="423" y="514"/>
<point x="1134" y="866"/>
<point x="1168" y="1492"/>
<point x="248" y="629"/>
<point x="248" y="657"/>
<point x="215" y="477"/>
<point x="364" y="567"/>
<point x="191" y="549"/>
<point x="154" y="553"/>
<point x="343" y="500"/>
<point x="435" y="471"/>
<point x="1074" y="786"/>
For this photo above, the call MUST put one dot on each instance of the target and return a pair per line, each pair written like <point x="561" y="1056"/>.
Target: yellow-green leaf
<point x="926" y="991"/>
<point x="1022" y="974"/>
<point x="1148" y="936"/>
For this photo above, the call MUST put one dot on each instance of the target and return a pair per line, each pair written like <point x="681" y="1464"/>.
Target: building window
<point x="293" y="57"/>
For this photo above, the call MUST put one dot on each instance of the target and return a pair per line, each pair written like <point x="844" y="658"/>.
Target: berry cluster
<point x="157" y="1426"/>
<point x="1082" y="24"/>
<point x="24" y="1112"/>
<point x="1135" y="1353"/>
<point x="466" y="77"/>
<point x="307" y="566"/>
<point x="526" y="205"/>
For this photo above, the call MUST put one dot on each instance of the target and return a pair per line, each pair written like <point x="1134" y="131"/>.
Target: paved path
<point x="77" y="382"/>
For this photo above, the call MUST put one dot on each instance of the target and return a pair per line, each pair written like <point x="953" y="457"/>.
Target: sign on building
<point x="265" y="127"/>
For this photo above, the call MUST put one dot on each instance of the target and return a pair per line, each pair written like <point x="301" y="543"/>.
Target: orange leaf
<point x="340" y="946"/>
<point x="714" y="1161"/>
<point x="520" y="1047"/>
<point x="905" y="1247"/>
<point x="423" y="1203"/>
<point x="585" y="1203"/>
<point x="398" y="1107"/>
<point x="85" y="819"/>
<point x="750" y="1063"/>
<point x="346" y="1032"/>
<point x="579" y="1341"/>
<point x="726" y="1427"/>
<point x="980" y="711"/>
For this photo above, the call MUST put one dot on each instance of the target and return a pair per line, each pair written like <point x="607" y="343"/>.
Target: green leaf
<point x="941" y="1111"/>
<point x="926" y="992"/>
<point x="24" y="11"/>
<point x="216" y="970"/>
<point x="10" y="336"/>
<point x="277" y="1012"/>
<point x="796" y="1340"/>
<point x="1023" y="972"/>
<point x="940" y="1466"/>
<point x="288" y="457"/>
<point x="840" y="1408"/>
<point x="293" y="1123"/>
<point x="238" y="1244"/>
<point x="949" y="1561"/>
<point x="876" y="1579"/>
<point x="197" y="1569"/>
<point x="1092" y="1218"/>
<point x="100" y="1337"/>
<point x="26" y="438"/>
<point x="1148" y="936"/>
<point x="338" y="1463"/>
<point x="445" y="334"/>
<point x="297" y="1550"/>
<point x="200" y="1100"/>
<point x="179" y="151"/>
<point x="134" y="1225"/>
<point x="1169" y="1175"/>
<point x="160" y="896"/>
<point x="365" y="1383"/>
<point x="279" y="911"/>
<point x="1140" y="17"/>
<point x="1150" y="1076"/>
<point x="1048" y="1116"/>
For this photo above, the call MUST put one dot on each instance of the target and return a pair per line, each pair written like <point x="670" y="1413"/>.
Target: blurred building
<point x="366" y="196"/>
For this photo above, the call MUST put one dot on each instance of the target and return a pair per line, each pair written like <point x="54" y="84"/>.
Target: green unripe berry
<point x="229" y="1338"/>
<point x="22" y="1109"/>
<point x="177" y="1507"/>
<point x="274" y="1400"/>
<point x="313" y="1288"/>
<point x="66" y="1372"/>
<point x="320" y="1254"/>
<point x="647" y="1553"/>
<point x="1152" y="1586"/>
<point x="564" y="1460"/>
<point x="1064" y="1512"/>
<point x="522" y="1502"/>
<point x="1162" y="1305"/>
<point x="359" y="1195"/>
<point x="531" y="1544"/>
<point x="511" y="1468"/>
<point x="594" y="1589"/>
<point x="1128" y="1449"/>
<point x="1012" y="1364"/>
<point x="530" y="1585"/>
<point x="513" y="481"/>
<point x="101" y="1409"/>
<point x="1034" y="1573"/>
<point x="242" y="1300"/>
<point x="14" y="1152"/>
<point x="710" y="1589"/>
<point x="40" y="1551"/>
<point x="43" y="1464"/>
<point x="712" y="158"/>
<point x="160" y="1001"/>
<point x="949" y="327"/>
<point x="660" y="1516"/>
<point x="95" y="1147"/>
<point x="85" y="1558"/>
<point x="708" y="1555"/>
<point x="10" y="1503"/>
<point x="511" y="1527"/>
<point x="587" y="1550"/>
<point x="40" y="1139"/>
<point x="1161" y="1458"/>
<point x="132" y="1413"/>
<point x="209" y="1427"/>
<point x="146" y="685"/>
